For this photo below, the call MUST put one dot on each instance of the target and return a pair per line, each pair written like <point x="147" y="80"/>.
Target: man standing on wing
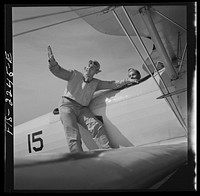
<point x="77" y="95"/>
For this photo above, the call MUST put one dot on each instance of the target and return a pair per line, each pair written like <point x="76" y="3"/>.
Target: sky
<point x="36" y="90"/>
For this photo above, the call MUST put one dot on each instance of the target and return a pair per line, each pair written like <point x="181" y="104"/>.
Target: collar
<point x="87" y="81"/>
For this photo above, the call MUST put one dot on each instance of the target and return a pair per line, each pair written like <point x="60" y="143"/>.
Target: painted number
<point x="33" y="140"/>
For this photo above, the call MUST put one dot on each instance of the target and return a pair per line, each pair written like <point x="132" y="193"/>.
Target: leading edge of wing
<point x="138" y="167"/>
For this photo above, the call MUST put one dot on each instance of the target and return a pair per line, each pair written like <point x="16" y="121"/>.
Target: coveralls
<point x="73" y="107"/>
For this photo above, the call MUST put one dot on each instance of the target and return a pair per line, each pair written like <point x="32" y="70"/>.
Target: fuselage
<point x="132" y="116"/>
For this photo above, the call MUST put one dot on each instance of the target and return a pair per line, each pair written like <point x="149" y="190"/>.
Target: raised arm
<point x="56" y="69"/>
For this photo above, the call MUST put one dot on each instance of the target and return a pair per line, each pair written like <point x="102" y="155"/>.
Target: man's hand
<point x="51" y="60"/>
<point x="50" y="53"/>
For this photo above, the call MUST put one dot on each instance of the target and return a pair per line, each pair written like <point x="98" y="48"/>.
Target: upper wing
<point x="104" y="21"/>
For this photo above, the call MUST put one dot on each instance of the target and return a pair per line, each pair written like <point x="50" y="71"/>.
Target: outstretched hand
<point x="50" y="53"/>
<point x="51" y="60"/>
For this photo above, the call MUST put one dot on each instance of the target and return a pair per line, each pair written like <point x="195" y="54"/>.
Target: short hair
<point x="97" y="64"/>
<point x="136" y="71"/>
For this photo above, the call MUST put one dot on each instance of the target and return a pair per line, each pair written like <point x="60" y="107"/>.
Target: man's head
<point x="134" y="74"/>
<point x="93" y="67"/>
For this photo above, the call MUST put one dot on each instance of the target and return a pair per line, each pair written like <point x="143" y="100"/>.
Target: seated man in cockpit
<point x="134" y="74"/>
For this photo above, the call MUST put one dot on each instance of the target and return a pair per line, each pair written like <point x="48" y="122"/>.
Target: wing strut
<point x="169" y="19"/>
<point x="178" y="115"/>
<point x="183" y="56"/>
<point x="146" y="16"/>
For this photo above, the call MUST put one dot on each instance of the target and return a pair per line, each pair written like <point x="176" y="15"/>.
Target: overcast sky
<point x="36" y="90"/>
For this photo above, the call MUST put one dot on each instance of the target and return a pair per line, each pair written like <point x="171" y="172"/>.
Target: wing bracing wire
<point x="64" y="21"/>
<point x="45" y="15"/>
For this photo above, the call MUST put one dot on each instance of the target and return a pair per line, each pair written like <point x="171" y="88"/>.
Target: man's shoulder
<point x="76" y="75"/>
<point x="97" y="80"/>
<point x="77" y="72"/>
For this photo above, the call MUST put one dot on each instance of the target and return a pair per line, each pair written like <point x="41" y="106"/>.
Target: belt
<point x="69" y="98"/>
<point x="72" y="100"/>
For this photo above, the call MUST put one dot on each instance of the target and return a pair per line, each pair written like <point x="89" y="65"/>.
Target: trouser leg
<point x="71" y="129"/>
<point x="88" y="120"/>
